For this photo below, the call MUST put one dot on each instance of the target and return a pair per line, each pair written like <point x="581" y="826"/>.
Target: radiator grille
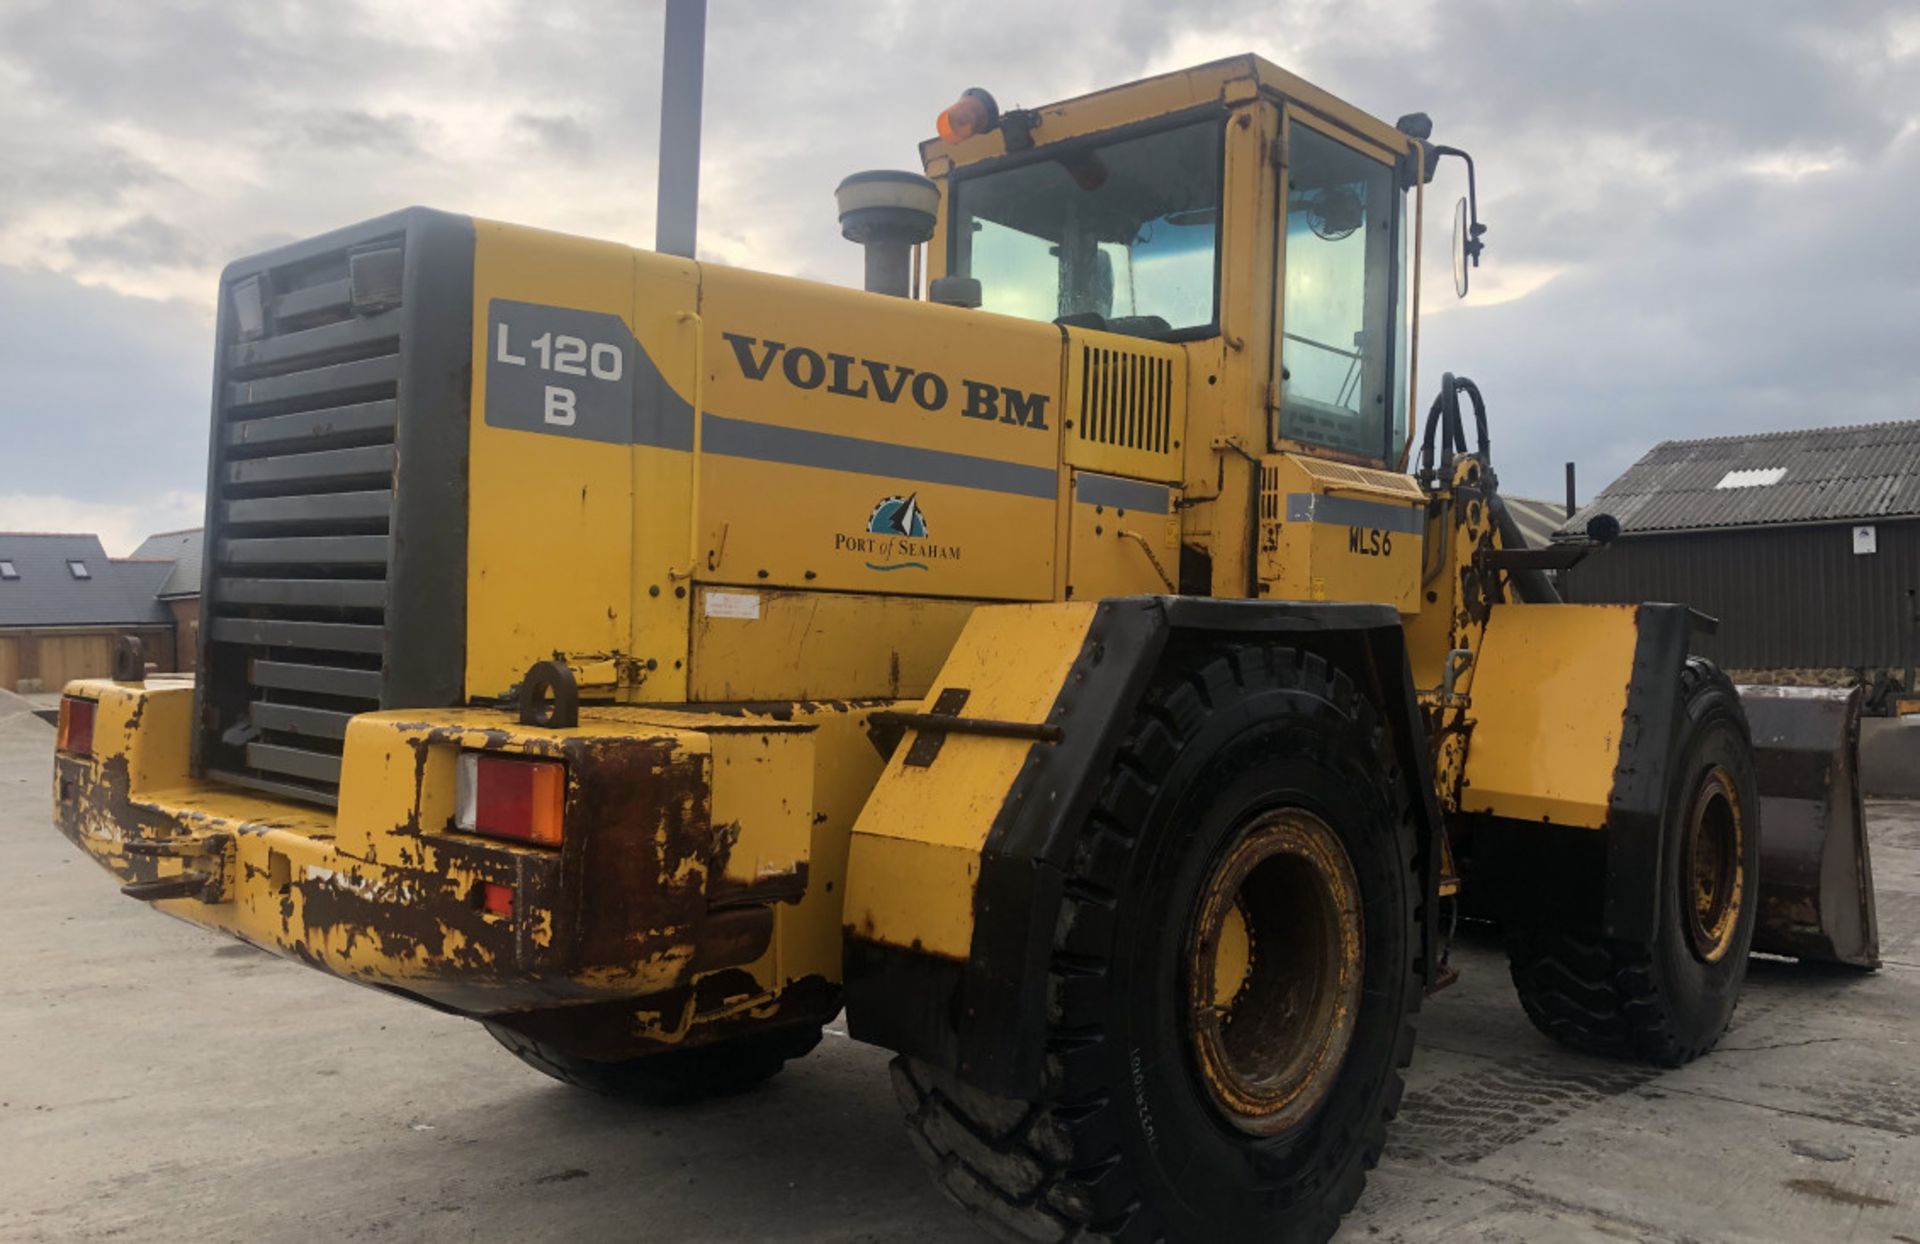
<point x="1126" y="399"/>
<point x="317" y="403"/>
<point x="303" y="503"/>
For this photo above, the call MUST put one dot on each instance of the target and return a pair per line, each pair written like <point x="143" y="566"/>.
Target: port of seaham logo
<point x="896" y="538"/>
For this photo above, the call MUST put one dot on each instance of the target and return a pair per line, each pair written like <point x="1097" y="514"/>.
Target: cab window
<point x="1121" y="235"/>
<point x="1338" y="314"/>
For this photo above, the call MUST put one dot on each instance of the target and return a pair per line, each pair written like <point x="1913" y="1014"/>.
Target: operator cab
<point x="1268" y="210"/>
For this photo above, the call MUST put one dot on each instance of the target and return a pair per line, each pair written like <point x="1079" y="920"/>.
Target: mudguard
<point x="1573" y="719"/>
<point x="959" y="856"/>
<point x="1573" y="716"/>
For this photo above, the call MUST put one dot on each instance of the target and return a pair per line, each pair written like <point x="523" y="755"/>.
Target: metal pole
<point x="682" y="70"/>
<point x="1570" y="505"/>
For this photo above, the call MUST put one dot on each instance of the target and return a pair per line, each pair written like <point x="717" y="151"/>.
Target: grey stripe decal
<point x="1316" y="507"/>
<point x="661" y="417"/>
<point x="766" y="442"/>
<point x="1122" y="494"/>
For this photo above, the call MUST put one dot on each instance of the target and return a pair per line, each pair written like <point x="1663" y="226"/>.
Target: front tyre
<point x="1667" y="1002"/>
<point x="1231" y="982"/>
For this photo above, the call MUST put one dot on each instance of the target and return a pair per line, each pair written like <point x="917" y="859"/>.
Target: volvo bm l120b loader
<point x="1061" y="672"/>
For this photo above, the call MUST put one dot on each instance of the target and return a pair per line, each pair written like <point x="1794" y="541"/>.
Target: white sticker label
<point x="733" y="605"/>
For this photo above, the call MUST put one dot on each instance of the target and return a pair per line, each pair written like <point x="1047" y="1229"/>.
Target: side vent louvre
<point x="1126" y="399"/>
<point x="1269" y="494"/>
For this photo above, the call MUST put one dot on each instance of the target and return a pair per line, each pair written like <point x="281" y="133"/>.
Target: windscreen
<point x="1120" y="235"/>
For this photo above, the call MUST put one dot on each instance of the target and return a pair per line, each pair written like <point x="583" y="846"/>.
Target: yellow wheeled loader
<point x="1055" y="667"/>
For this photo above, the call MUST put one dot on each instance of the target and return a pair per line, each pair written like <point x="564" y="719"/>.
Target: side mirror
<point x="1460" y="249"/>
<point x="1468" y="232"/>
<point x="1603" y="528"/>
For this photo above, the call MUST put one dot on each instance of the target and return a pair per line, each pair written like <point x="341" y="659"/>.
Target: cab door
<point x="1338" y="519"/>
<point x="1341" y="329"/>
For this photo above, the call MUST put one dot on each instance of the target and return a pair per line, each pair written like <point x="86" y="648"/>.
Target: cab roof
<point x="1229" y="81"/>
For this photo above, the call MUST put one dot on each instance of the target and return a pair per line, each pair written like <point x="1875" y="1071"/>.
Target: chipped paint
<point x="631" y="911"/>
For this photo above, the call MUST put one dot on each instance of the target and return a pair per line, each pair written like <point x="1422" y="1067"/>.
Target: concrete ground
<point x="160" y="1083"/>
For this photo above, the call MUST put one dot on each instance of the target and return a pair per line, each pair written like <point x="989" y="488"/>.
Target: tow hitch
<point x="206" y="865"/>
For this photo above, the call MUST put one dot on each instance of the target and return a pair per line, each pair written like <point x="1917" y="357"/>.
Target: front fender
<point x="959" y="857"/>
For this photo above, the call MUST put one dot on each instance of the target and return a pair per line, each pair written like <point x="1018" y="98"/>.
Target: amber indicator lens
<point x="510" y="797"/>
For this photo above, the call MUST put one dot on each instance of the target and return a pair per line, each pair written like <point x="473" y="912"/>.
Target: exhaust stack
<point x="682" y="78"/>
<point x="889" y="213"/>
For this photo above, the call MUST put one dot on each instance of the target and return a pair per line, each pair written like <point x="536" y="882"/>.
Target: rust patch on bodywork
<point x="386" y="891"/>
<point x="732" y="937"/>
<point x="634" y="865"/>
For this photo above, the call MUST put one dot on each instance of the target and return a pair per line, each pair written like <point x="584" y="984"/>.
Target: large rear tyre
<point x="672" y="1078"/>
<point x="1230" y="985"/>
<point x="1667" y="1002"/>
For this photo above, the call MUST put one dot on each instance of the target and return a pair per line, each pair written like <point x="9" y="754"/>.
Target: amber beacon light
<point x="973" y="113"/>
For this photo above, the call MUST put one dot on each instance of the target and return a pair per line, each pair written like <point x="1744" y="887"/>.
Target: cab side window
<point x="1337" y="312"/>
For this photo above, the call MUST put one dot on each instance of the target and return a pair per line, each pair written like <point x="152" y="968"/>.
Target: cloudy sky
<point x="1702" y="215"/>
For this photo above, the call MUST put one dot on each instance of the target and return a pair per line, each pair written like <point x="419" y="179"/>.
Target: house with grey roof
<point x="64" y="604"/>
<point x="180" y="592"/>
<point x="1805" y="546"/>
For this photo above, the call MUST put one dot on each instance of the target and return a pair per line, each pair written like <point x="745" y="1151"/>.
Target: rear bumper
<point x="385" y="892"/>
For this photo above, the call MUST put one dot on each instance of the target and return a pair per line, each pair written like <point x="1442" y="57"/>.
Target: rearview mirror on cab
<point x="1460" y="249"/>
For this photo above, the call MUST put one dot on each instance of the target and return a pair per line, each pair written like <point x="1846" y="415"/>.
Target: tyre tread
<point x="1059" y="1173"/>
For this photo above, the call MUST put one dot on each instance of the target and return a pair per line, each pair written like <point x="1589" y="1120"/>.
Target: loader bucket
<point x="1816" y="881"/>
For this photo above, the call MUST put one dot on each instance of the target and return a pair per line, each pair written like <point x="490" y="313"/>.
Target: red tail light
<point x="76" y="726"/>
<point x="496" y="900"/>
<point x="511" y="797"/>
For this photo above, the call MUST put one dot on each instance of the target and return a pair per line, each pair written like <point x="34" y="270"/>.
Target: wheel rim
<point x="1274" y="968"/>
<point x="1713" y="866"/>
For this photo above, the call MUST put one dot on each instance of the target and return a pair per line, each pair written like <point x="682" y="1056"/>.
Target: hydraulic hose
<point x="1444" y="417"/>
<point x="1534" y="586"/>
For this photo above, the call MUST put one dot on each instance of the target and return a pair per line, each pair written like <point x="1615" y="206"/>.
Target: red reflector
<point x="76" y="726"/>
<point x="497" y="899"/>
<point x="510" y="797"/>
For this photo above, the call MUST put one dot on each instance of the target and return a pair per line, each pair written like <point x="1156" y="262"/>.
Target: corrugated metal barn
<point x="1805" y="546"/>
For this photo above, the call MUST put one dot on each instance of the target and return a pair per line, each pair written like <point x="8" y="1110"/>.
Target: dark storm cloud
<point x="94" y="173"/>
<point x="1700" y="295"/>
